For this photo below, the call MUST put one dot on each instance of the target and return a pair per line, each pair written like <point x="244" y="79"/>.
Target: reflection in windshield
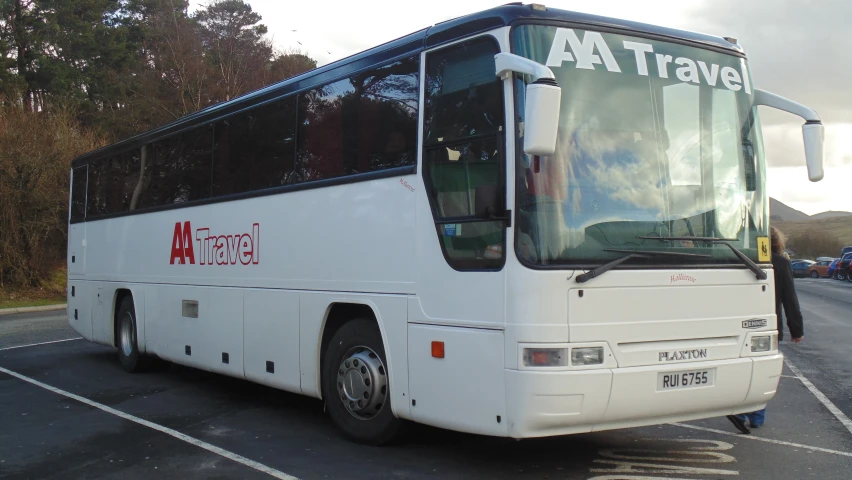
<point x="650" y="144"/>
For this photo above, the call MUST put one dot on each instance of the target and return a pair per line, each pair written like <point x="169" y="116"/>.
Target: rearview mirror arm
<point x="508" y="63"/>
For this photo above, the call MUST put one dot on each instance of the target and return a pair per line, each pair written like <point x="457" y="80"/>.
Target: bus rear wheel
<point x="128" y="348"/>
<point x="356" y="386"/>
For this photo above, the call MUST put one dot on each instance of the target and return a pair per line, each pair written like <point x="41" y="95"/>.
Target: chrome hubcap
<point x="127" y="334"/>
<point x="362" y="383"/>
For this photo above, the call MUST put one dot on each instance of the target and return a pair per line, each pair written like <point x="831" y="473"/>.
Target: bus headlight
<point x="587" y="356"/>
<point x="761" y="344"/>
<point x="545" y="357"/>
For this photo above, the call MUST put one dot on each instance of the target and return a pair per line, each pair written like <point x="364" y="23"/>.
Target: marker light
<point x="438" y="349"/>
<point x="545" y="357"/>
<point x="587" y="356"/>
<point x="761" y="344"/>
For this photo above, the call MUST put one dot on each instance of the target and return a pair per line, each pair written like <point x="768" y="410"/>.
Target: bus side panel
<point x="197" y="339"/>
<point x="76" y="260"/>
<point x="168" y="331"/>
<point x="464" y="390"/>
<point x="392" y="315"/>
<point x="272" y="335"/>
<point x="103" y="317"/>
<point x="218" y="331"/>
<point x="79" y="308"/>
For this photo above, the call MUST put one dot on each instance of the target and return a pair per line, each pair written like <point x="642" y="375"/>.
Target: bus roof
<point x="413" y="43"/>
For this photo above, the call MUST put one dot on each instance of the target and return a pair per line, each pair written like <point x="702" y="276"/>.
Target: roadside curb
<point x="44" y="308"/>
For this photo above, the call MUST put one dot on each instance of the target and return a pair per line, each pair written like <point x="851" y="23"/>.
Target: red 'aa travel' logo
<point x="241" y="248"/>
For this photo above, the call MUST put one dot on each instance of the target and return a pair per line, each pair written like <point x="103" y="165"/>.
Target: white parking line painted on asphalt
<point x="761" y="439"/>
<point x="41" y="343"/>
<point x="168" y="431"/>
<point x="821" y="397"/>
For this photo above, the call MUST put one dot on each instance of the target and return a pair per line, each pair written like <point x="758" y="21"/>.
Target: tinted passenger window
<point x="255" y="150"/>
<point x="98" y="201"/>
<point x="321" y="120"/>
<point x="364" y="123"/>
<point x="124" y="172"/>
<point x="78" y="194"/>
<point x="141" y="179"/>
<point x="385" y="116"/>
<point x="181" y="168"/>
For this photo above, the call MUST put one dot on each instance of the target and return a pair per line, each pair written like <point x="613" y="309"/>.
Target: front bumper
<point x="565" y="402"/>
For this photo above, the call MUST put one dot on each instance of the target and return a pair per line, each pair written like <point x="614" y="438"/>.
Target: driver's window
<point x="463" y="155"/>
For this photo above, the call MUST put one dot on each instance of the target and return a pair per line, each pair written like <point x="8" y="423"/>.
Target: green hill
<point x="840" y="227"/>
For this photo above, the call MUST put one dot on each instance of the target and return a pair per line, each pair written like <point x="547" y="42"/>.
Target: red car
<point x="843" y="267"/>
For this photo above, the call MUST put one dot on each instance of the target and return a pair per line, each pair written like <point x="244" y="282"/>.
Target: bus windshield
<point x="655" y="139"/>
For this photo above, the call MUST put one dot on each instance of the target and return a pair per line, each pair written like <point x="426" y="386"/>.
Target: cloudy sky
<point x="800" y="49"/>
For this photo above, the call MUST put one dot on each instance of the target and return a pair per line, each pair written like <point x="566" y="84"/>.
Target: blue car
<point x="833" y="267"/>
<point x="800" y="267"/>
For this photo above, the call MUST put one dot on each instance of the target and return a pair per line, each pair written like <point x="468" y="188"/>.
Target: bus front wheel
<point x="356" y="385"/>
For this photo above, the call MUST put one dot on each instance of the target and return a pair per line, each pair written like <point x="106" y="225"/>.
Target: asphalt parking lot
<point x="68" y="410"/>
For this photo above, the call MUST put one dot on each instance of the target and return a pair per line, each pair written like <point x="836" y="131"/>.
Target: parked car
<point x="800" y="267"/>
<point x="832" y="267"/>
<point x="843" y="267"/>
<point x="820" y="268"/>
<point x="845" y="250"/>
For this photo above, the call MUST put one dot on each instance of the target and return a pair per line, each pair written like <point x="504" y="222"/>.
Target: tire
<point x="814" y="274"/>
<point x="356" y="356"/>
<point x="128" y="349"/>
<point x="849" y="276"/>
<point x="840" y="276"/>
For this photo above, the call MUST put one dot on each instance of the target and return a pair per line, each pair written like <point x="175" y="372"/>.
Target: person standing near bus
<point x="786" y="298"/>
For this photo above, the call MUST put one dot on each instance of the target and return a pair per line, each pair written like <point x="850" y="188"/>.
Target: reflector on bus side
<point x="438" y="349"/>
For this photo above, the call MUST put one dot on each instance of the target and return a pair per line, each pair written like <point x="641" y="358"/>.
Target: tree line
<point x="79" y="74"/>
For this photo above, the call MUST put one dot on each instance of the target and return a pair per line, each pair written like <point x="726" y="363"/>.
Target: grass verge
<point x="50" y="292"/>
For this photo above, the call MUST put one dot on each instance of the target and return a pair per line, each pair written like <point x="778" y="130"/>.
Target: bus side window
<point x="78" y="193"/>
<point x="254" y="150"/>
<point x="96" y="200"/>
<point x="463" y="153"/>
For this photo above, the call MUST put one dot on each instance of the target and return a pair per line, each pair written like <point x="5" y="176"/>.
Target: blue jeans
<point x="756" y="419"/>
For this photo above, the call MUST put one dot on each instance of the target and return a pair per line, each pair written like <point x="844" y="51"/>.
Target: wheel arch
<point x="338" y="314"/>
<point x="136" y="294"/>
<point x="118" y="297"/>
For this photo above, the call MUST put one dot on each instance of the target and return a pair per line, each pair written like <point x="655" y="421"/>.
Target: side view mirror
<point x="543" y="97"/>
<point x="813" y="132"/>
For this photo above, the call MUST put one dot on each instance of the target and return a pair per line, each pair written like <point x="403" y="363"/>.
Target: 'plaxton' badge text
<point x="683" y="355"/>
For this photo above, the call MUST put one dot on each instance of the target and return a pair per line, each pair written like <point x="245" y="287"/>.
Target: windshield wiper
<point x="760" y="274"/>
<point x="585" y="277"/>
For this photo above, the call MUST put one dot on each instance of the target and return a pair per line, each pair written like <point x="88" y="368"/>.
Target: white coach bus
<point x="523" y="222"/>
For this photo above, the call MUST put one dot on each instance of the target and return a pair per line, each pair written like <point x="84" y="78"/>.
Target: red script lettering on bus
<point x="238" y="249"/>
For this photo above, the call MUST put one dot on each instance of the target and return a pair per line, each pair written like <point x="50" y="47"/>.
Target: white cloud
<point x="791" y="186"/>
<point x="785" y="148"/>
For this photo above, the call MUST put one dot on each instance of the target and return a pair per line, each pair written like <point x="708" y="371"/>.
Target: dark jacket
<point x="785" y="295"/>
